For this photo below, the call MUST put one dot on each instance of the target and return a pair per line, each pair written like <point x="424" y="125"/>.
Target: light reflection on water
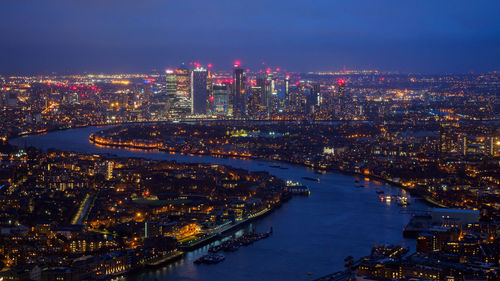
<point x="311" y="234"/>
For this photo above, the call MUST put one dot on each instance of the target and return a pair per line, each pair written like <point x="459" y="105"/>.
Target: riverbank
<point x="91" y="138"/>
<point x="336" y="215"/>
<point x="219" y="233"/>
<point x="414" y="192"/>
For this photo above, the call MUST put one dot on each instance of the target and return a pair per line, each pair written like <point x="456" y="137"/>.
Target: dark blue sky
<point x="298" y="35"/>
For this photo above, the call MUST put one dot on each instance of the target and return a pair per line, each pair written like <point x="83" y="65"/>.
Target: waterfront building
<point x="454" y="217"/>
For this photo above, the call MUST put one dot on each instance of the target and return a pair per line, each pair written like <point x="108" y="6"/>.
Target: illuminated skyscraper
<point x="220" y="105"/>
<point x="261" y="83"/>
<point x="199" y="92"/>
<point x="171" y="82"/>
<point x="183" y="78"/>
<point x="314" y="99"/>
<point x="287" y="91"/>
<point x="340" y="107"/>
<point x="269" y="90"/>
<point x="238" y="91"/>
<point x="210" y="100"/>
<point x="274" y="104"/>
<point x="253" y="102"/>
<point x="316" y="92"/>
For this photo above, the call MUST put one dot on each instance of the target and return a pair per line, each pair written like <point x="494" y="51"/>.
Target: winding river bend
<point x="311" y="234"/>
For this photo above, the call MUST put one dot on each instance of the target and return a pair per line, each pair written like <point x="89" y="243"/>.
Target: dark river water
<point x="311" y="234"/>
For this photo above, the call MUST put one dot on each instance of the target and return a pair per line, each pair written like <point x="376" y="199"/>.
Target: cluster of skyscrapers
<point x="199" y="91"/>
<point x="193" y="91"/>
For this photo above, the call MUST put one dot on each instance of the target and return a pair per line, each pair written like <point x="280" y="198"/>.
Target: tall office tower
<point x="340" y="108"/>
<point x="183" y="81"/>
<point x="238" y="91"/>
<point x="253" y="102"/>
<point x="316" y="92"/>
<point x="262" y="84"/>
<point x="182" y="104"/>
<point x="287" y="91"/>
<point x="274" y="103"/>
<point x="210" y="102"/>
<point x="220" y="104"/>
<point x="171" y="82"/>
<point x="199" y="93"/>
<point x="269" y="90"/>
<point x="146" y="93"/>
<point x="314" y="100"/>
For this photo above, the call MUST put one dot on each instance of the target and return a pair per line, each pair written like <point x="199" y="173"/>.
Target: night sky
<point x="133" y="36"/>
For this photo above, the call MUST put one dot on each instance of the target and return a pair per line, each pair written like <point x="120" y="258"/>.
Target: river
<point x="311" y="234"/>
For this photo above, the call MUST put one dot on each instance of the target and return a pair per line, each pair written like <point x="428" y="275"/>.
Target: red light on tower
<point x="268" y="70"/>
<point x="211" y="99"/>
<point x="209" y="65"/>
<point x="297" y="83"/>
<point x="237" y="63"/>
<point x="341" y="82"/>
<point x="278" y="69"/>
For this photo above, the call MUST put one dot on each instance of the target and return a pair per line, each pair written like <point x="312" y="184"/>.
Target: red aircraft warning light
<point x="341" y="82"/>
<point x="237" y="63"/>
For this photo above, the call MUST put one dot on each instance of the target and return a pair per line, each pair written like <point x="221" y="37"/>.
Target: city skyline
<point x="284" y="140"/>
<point x="123" y="36"/>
